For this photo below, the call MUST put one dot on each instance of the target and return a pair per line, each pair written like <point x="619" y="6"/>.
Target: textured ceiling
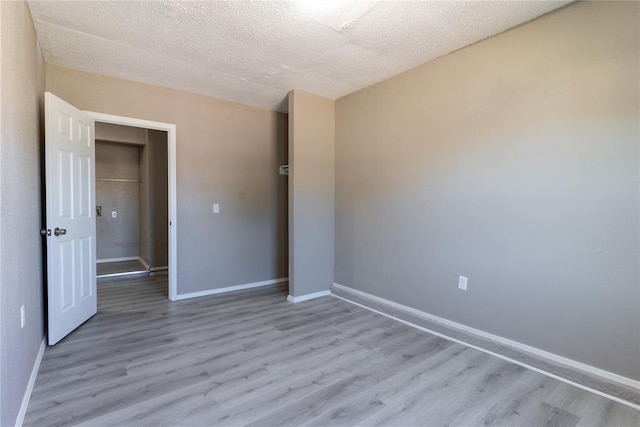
<point x="254" y="52"/>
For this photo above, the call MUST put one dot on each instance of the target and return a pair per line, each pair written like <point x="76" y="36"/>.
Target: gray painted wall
<point x="117" y="237"/>
<point x="159" y="197"/>
<point x="22" y="81"/>
<point x="311" y="192"/>
<point x="226" y="153"/>
<point x="144" y="233"/>
<point x="515" y="162"/>
<point x="154" y="200"/>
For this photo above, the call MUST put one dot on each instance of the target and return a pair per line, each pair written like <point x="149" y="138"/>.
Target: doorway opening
<point x="135" y="198"/>
<point x="131" y="200"/>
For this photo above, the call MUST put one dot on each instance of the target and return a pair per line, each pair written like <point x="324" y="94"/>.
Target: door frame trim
<point x="170" y="128"/>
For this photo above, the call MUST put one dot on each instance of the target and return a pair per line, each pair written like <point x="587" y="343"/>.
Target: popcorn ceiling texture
<point x="255" y="52"/>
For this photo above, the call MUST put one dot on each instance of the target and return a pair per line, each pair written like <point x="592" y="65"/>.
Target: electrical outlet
<point x="22" y="318"/>
<point x="462" y="283"/>
<point x="114" y="214"/>
<point x="216" y="208"/>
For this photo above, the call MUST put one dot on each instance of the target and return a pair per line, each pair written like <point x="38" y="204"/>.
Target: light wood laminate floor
<point x="252" y="358"/>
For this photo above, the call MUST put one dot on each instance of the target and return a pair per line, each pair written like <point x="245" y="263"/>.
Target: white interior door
<point x="71" y="222"/>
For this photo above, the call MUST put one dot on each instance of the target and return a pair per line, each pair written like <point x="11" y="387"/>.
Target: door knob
<point x="59" y="231"/>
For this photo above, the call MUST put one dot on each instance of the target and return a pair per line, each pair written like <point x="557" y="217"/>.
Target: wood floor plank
<point x="252" y="358"/>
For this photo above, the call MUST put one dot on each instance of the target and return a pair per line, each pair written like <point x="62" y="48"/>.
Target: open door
<point x="71" y="222"/>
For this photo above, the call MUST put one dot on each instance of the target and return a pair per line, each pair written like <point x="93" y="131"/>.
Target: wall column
<point x="311" y="194"/>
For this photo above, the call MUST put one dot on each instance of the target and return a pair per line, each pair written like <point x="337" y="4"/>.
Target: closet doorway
<point x="131" y="200"/>
<point x="135" y="198"/>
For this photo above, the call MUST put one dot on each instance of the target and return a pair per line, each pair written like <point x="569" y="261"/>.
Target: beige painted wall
<point x="121" y="133"/>
<point x="226" y="153"/>
<point x="311" y="192"/>
<point x="515" y="162"/>
<point x="21" y="124"/>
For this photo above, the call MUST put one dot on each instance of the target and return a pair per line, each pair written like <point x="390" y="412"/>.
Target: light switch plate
<point x="114" y="214"/>
<point x="216" y="208"/>
<point x="462" y="283"/>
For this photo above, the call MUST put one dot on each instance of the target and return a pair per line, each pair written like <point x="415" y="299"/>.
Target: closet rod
<point x="118" y="180"/>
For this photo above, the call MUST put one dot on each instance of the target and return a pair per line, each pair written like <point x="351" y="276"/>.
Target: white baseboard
<point x="145" y="263"/>
<point x="126" y="258"/>
<point x="307" y="297"/>
<point x="578" y="366"/>
<point x="124" y="273"/>
<point x="30" y="384"/>
<point x="230" y="289"/>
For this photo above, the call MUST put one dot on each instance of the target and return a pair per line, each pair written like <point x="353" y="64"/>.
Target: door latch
<point x="45" y="232"/>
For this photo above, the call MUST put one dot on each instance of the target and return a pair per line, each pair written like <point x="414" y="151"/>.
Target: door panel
<point x="85" y="207"/>
<point x="67" y="277"/>
<point x="70" y="201"/>
<point x="65" y="184"/>
<point x="86" y="289"/>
